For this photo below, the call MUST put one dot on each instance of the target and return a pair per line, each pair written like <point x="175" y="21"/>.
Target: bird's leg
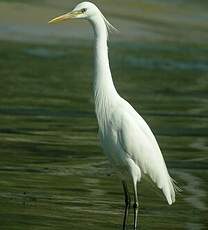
<point x="135" y="214"/>
<point x="135" y="206"/>
<point x="127" y="204"/>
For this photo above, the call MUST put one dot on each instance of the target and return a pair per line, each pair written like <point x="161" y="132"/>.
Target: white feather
<point x="125" y="137"/>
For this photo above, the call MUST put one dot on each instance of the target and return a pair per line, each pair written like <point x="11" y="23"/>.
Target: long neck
<point x="104" y="91"/>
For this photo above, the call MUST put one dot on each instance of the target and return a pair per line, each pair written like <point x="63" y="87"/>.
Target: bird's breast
<point x="111" y="146"/>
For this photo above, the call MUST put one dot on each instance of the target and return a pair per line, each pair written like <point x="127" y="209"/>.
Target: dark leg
<point x="127" y="204"/>
<point x="135" y="206"/>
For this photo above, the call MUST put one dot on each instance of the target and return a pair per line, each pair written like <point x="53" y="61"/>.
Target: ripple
<point x="196" y="192"/>
<point x="166" y="64"/>
<point x="44" y="53"/>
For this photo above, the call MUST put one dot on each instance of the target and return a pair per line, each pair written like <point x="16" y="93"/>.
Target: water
<point x="52" y="172"/>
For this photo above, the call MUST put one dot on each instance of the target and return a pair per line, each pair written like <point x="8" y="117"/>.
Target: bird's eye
<point x="83" y="10"/>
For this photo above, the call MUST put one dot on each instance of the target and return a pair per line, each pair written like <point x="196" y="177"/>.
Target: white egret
<point x="125" y="137"/>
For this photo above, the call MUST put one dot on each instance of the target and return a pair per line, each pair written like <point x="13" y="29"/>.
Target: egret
<point x="125" y="137"/>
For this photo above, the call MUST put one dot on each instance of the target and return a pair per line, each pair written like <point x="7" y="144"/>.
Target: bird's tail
<point x="170" y="190"/>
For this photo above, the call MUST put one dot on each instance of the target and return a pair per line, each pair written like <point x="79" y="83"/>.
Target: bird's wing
<point x="138" y="141"/>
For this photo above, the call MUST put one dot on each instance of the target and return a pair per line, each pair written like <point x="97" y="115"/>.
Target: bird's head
<point x="84" y="10"/>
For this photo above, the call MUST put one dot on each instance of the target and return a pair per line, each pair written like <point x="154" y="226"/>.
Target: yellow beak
<point x="64" y="17"/>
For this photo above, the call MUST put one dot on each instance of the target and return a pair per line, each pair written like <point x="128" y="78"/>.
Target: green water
<point x="53" y="174"/>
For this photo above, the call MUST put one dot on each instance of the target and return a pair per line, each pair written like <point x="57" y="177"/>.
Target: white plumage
<point x="129" y="141"/>
<point x="125" y="137"/>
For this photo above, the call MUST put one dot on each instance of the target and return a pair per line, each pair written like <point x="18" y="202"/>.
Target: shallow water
<point x="53" y="174"/>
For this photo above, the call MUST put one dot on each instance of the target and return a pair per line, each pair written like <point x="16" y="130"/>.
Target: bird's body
<point x="132" y="148"/>
<point x="125" y="137"/>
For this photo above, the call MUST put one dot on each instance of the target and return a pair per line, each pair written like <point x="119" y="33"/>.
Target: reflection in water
<point x="201" y="144"/>
<point x="196" y="196"/>
<point x="44" y="53"/>
<point x="193" y="186"/>
<point x="167" y="64"/>
<point x="193" y="226"/>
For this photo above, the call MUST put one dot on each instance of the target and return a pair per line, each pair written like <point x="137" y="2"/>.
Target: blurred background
<point x="53" y="174"/>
